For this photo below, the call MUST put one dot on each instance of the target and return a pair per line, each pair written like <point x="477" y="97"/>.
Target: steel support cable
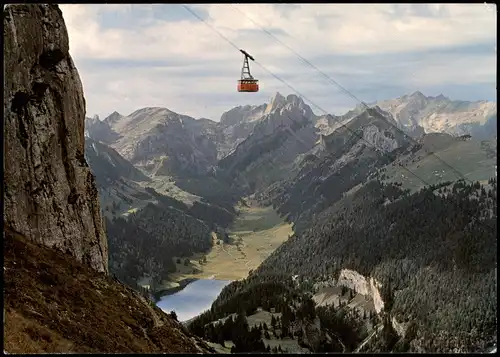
<point x="293" y="89"/>
<point x="334" y="82"/>
<point x="324" y="111"/>
<point x="366" y="106"/>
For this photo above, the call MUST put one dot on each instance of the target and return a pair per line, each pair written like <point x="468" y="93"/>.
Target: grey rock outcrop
<point x="108" y="166"/>
<point x="50" y="192"/>
<point x="417" y="113"/>
<point x="100" y="130"/>
<point x="267" y="155"/>
<point x="162" y="142"/>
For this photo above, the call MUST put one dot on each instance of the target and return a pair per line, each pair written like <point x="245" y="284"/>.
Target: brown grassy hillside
<point x="55" y="304"/>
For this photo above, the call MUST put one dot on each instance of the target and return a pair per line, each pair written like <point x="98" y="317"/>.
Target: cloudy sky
<point x="135" y="56"/>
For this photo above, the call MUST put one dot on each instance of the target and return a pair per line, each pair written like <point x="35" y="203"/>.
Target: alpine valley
<point x="370" y="231"/>
<point x="273" y="229"/>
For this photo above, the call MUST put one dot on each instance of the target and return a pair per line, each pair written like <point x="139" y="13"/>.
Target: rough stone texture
<point x="285" y="132"/>
<point x="399" y="327"/>
<point x="357" y="282"/>
<point x="417" y="112"/>
<point x="50" y="193"/>
<point x="375" y="287"/>
<point x="160" y="141"/>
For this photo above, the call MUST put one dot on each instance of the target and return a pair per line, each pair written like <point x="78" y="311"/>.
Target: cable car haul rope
<point x="247" y="81"/>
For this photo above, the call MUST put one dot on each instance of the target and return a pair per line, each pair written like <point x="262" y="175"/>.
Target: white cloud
<point x="449" y="70"/>
<point x="186" y="66"/>
<point x="368" y="28"/>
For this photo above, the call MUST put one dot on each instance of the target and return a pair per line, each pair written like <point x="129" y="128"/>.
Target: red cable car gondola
<point x="247" y="83"/>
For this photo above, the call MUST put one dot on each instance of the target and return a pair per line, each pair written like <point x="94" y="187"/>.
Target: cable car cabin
<point x="248" y="85"/>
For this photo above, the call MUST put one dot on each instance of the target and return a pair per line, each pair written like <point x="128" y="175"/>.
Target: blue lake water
<point x="194" y="299"/>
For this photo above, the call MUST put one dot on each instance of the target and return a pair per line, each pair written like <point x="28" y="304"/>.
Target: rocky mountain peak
<point x="418" y="95"/>
<point x="291" y="103"/>
<point x="100" y="130"/>
<point x="91" y="121"/>
<point x="113" y="118"/>
<point x="277" y="101"/>
<point x="157" y="112"/>
<point x="417" y="100"/>
<point x="380" y="113"/>
<point x="417" y="113"/>
<point x="441" y="97"/>
<point x="242" y="114"/>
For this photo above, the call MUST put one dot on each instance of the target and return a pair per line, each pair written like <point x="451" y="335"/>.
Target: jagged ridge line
<point x="342" y="125"/>
<point x="293" y="89"/>
<point x="331" y="80"/>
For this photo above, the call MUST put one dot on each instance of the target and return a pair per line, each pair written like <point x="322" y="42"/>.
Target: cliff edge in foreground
<point x="50" y="193"/>
<point x="58" y="295"/>
<point x="55" y="304"/>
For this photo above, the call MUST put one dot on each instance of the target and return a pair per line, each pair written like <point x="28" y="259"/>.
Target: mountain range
<point x="255" y="146"/>
<point x="340" y="181"/>
<point x="204" y="141"/>
<point x="440" y="114"/>
<point x="163" y="143"/>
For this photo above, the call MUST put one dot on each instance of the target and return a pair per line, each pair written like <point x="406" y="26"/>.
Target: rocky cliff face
<point x="368" y="287"/>
<point x="284" y="133"/>
<point x="50" y="193"/>
<point x="54" y="302"/>
<point x="237" y="124"/>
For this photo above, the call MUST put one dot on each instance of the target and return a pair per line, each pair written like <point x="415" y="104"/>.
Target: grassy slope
<point x="469" y="158"/>
<point x="55" y="304"/>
